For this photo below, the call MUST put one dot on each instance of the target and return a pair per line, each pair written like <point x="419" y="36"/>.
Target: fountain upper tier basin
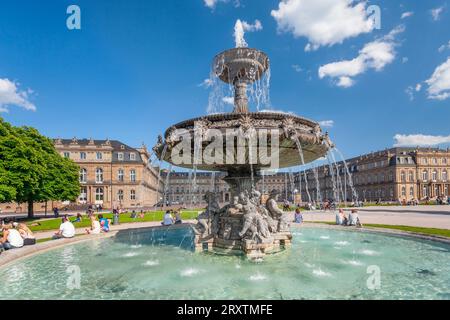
<point x="291" y="130"/>
<point x="240" y="64"/>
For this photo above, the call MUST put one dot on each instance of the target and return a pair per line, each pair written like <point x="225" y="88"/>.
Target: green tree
<point x="36" y="171"/>
<point x="7" y="191"/>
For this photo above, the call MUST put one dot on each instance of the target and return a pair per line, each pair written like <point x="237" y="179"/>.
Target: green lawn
<point x="53" y="224"/>
<point x="420" y="230"/>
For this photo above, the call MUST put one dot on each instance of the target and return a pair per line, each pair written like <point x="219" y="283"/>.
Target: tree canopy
<point x="31" y="170"/>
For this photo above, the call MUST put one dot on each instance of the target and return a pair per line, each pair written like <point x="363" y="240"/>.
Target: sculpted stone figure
<point x="277" y="213"/>
<point x="255" y="227"/>
<point x="208" y="221"/>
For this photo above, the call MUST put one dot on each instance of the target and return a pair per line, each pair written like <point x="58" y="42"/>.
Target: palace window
<point x="99" y="175"/>
<point x="435" y="161"/>
<point x="83" y="194"/>
<point x="120" y="156"/>
<point x="99" y="194"/>
<point x="83" y="175"/>
<point x="132" y="156"/>
<point x="120" y="195"/>
<point x="67" y="155"/>
<point x="133" y="175"/>
<point x="99" y="155"/>
<point x="83" y="155"/>
<point x="444" y="175"/>
<point x="434" y="175"/>
<point x="120" y="175"/>
<point x="403" y="191"/>
<point x="425" y="161"/>
<point x="425" y="191"/>
<point x="132" y="195"/>
<point x="424" y="175"/>
<point x="411" y="176"/>
<point x="446" y="190"/>
<point x="403" y="176"/>
<point x="444" y="160"/>
<point x="411" y="191"/>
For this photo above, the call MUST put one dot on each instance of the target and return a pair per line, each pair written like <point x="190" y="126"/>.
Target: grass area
<point x="53" y="224"/>
<point x="419" y="230"/>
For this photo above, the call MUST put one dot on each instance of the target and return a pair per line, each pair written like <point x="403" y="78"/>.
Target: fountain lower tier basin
<point x="161" y="264"/>
<point x="276" y="140"/>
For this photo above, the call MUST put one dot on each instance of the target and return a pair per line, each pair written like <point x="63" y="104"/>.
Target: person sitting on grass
<point x="95" y="226"/>
<point x="78" y="219"/>
<point x="353" y="218"/>
<point x="66" y="229"/>
<point x="340" y="217"/>
<point x="26" y="234"/>
<point x="11" y="237"/>
<point x="104" y="223"/>
<point x="167" y="219"/>
<point x="298" y="217"/>
<point x="133" y="215"/>
<point x="178" y="217"/>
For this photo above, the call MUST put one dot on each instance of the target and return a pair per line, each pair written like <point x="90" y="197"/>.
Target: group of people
<point x="67" y="229"/>
<point x="15" y="235"/>
<point x="172" y="217"/>
<point x="351" y="220"/>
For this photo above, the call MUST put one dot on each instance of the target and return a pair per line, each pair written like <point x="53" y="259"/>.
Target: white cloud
<point x="439" y="83"/>
<point x="436" y="13"/>
<point x="410" y="92"/>
<point x="323" y="22"/>
<point x="407" y="14"/>
<point x="418" y="87"/>
<point x="405" y="59"/>
<point x="444" y="47"/>
<point x="419" y="140"/>
<point x="10" y="95"/>
<point x="297" y="68"/>
<point x="374" y="55"/>
<point x="243" y="26"/>
<point x="326" y="123"/>
<point x="228" y="100"/>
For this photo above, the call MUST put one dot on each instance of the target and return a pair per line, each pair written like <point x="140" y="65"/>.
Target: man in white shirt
<point x="168" y="219"/>
<point x="66" y="229"/>
<point x="11" y="238"/>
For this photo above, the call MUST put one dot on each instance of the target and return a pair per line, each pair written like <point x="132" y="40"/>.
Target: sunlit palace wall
<point x="396" y="174"/>
<point x="112" y="174"/>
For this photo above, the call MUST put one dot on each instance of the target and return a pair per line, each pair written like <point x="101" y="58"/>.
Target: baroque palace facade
<point x="396" y="174"/>
<point x="112" y="175"/>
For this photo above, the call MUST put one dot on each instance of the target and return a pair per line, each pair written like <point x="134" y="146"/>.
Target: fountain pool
<point x="161" y="264"/>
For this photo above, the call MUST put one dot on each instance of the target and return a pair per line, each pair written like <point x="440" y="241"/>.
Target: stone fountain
<point x="245" y="224"/>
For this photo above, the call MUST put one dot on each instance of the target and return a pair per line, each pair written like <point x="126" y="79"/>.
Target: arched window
<point x="99" y="194"/>
<point x="424" y="175"/>
<point x="83" y="175"/>
<point x="120" y="195"/>
<point x="425" y="191"/>
<point x="120" y="175"/>
<point x="99" y="175"/>
<point x="83" y="194"/>
<point x="435" y="161"/>
<point x="434" y="175"/>
<point x="444" y="175"/>
<point x="133" y="175"/>
<point x="132" y="195"/>
<point x="411" y="191"/>
<point x="403" y="176"/>
<point x="403" y="191"/>
<point x="411" y="176"/>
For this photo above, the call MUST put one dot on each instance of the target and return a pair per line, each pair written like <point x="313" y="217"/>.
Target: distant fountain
<point x="245" y="224"/>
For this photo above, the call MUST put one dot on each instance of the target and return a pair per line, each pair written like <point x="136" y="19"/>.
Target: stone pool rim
<point x="11" y="256"/>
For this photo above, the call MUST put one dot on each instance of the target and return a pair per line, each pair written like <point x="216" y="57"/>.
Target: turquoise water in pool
<point x="157" y="264"/>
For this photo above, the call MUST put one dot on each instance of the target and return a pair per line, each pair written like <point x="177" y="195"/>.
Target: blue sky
<point x="135" y="66"/>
